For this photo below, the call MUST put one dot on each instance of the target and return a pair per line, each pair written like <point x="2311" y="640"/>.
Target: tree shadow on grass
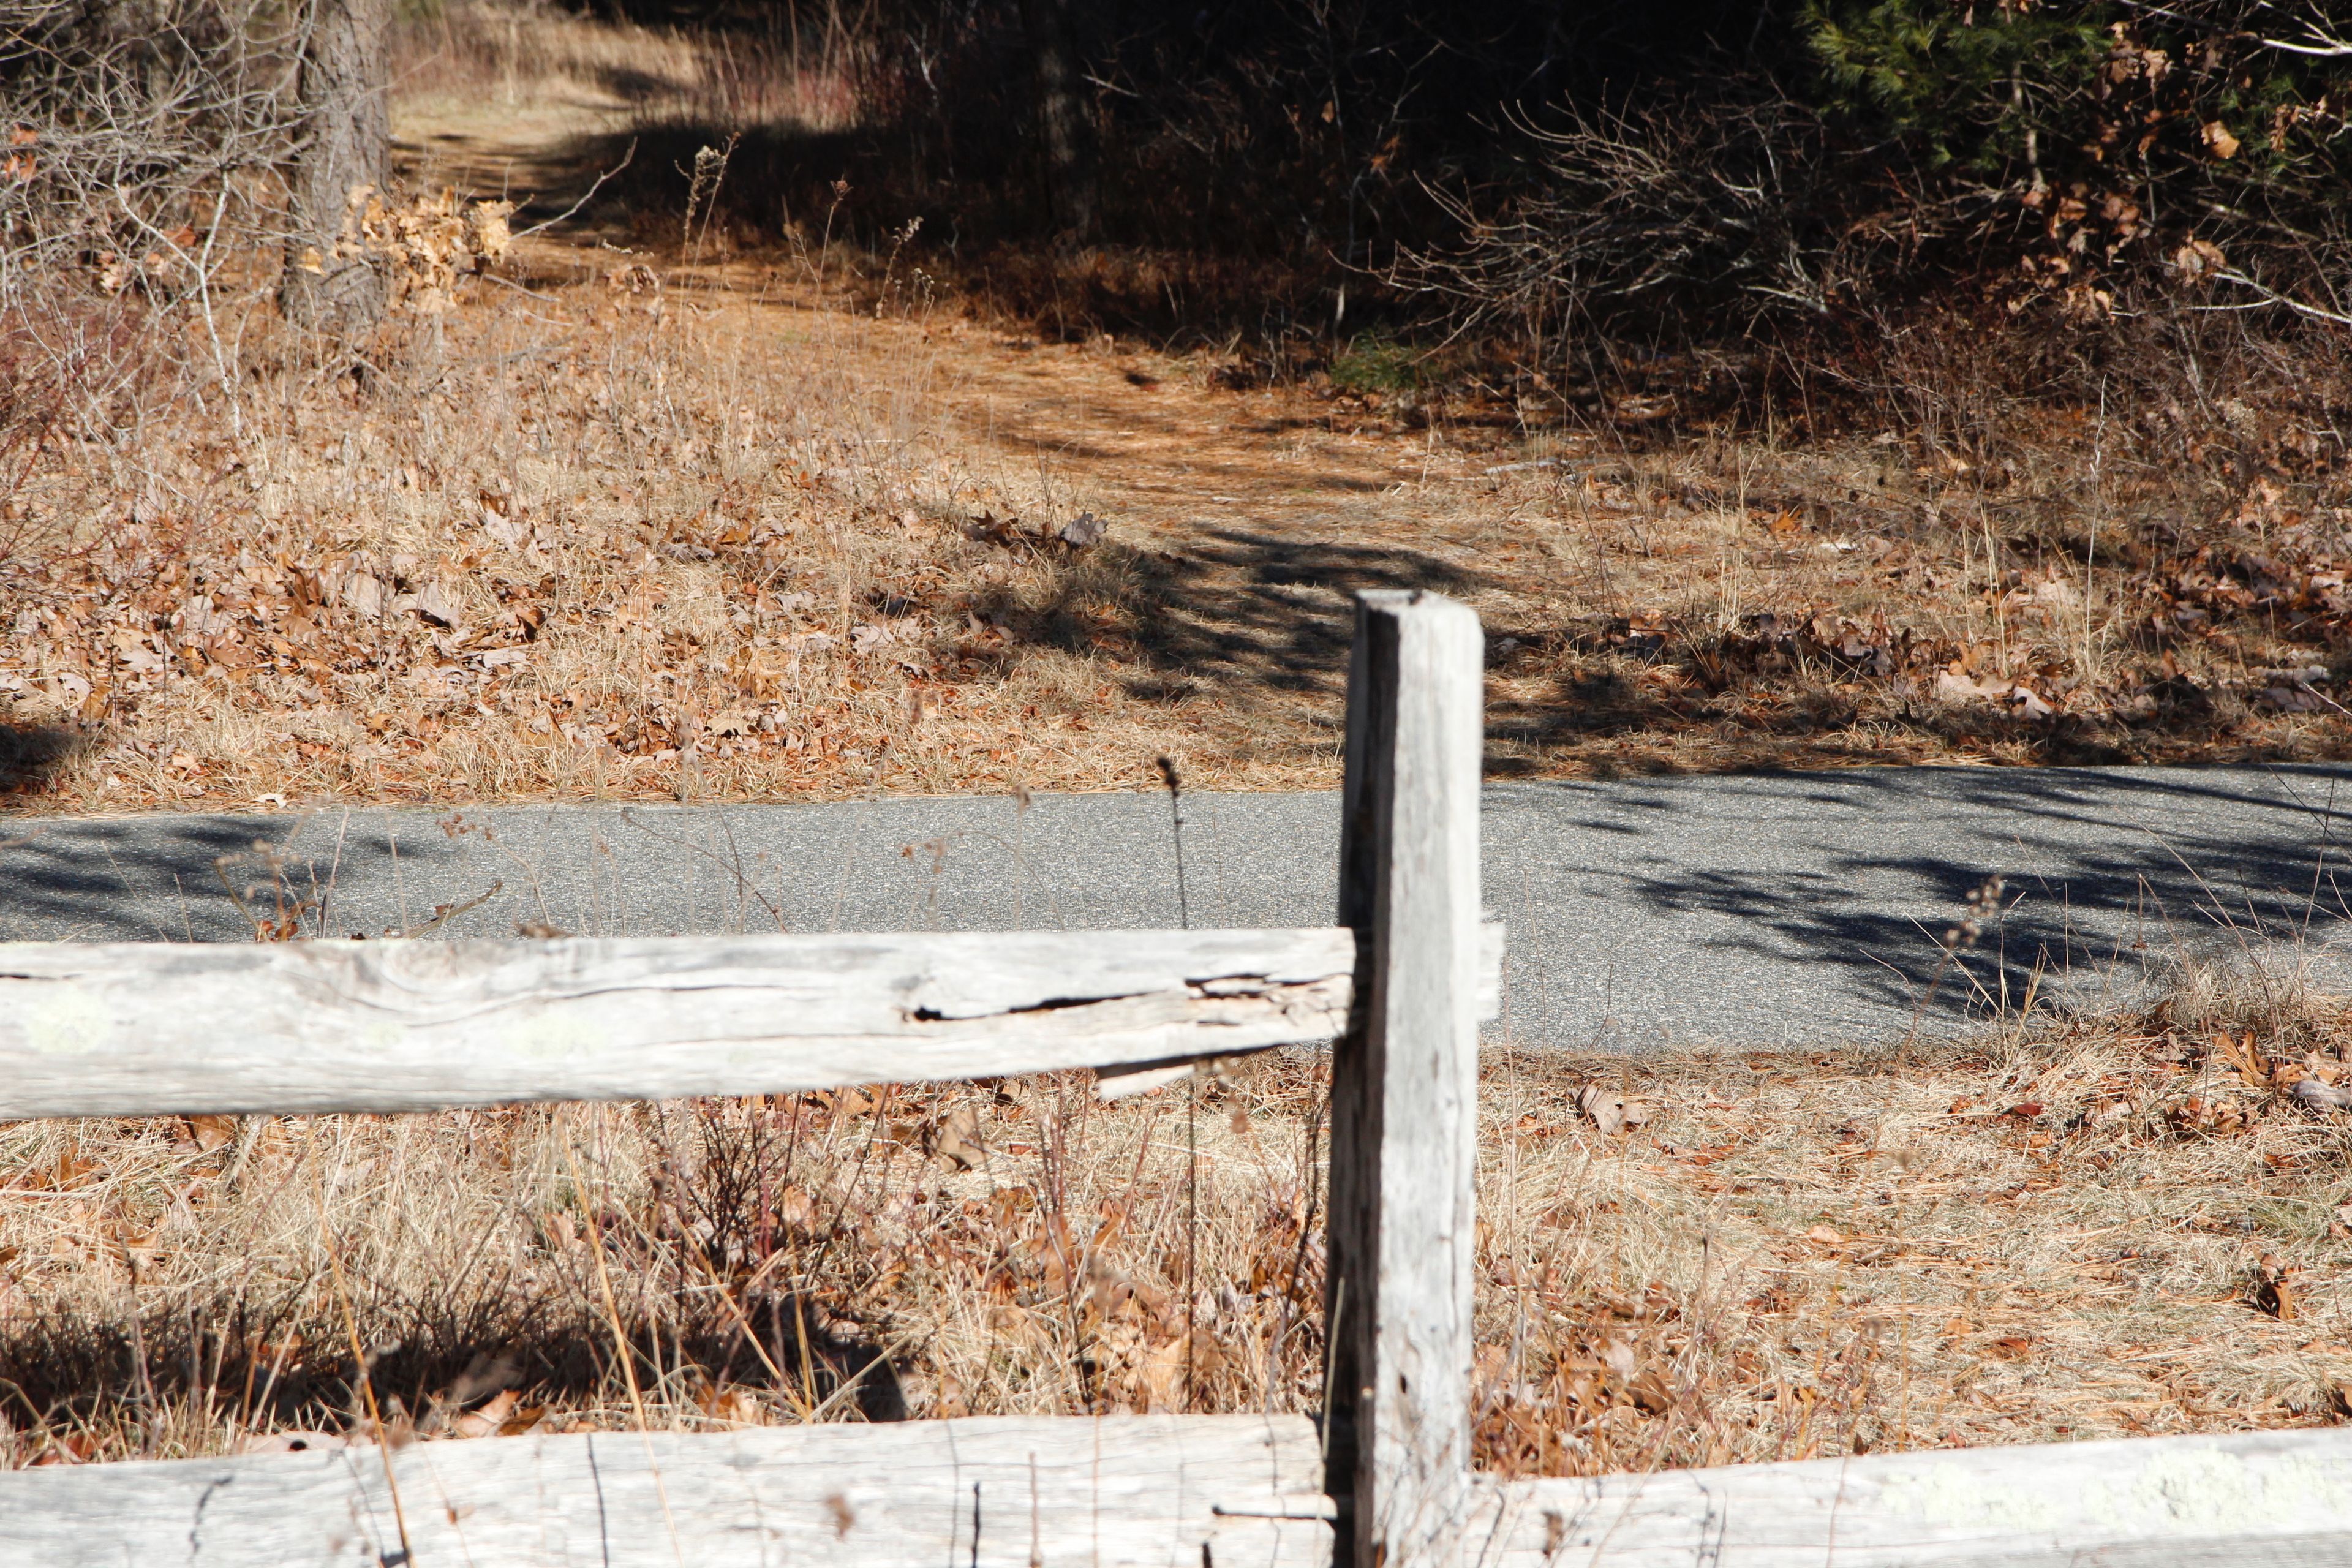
<point x="1259" y="619"/>
<point x="277" y="1368"/>
<point x="33" y="755"/>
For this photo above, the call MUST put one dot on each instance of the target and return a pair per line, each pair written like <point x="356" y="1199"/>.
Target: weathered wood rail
<point x="155" y="1028"/>
<point x="1162" y="1490"/>
<point x="1400" y="983"/>
<point x="143" y="1029"/>
<point x="1122" y="1491"/>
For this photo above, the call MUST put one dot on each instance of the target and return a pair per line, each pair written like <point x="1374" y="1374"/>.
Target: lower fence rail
<point x="1169" y="1492"/>
<point x="2282" y="1500"/>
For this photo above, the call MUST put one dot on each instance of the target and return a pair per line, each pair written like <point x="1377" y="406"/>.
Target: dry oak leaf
<point x="486" y="1421"/>
<point x="738" y="1405"/>
<point x="2242" y="1055"/>
<point x="1610" y="1111"/>
<point x="523" y="1420"/>
<point x="1650" y="1392"/>
<point x="1823" y="1236"/>
<point x="365" y="596"/>
<point x="958" y="1140"/>
<point x="435" y="605"/>
<point x="2271" y="1289"/>
<point x="211" y="1131"/>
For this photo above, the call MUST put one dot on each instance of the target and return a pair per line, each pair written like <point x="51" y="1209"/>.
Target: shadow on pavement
<point x="1767" y="908"/>
<point x="2112" y="879"/>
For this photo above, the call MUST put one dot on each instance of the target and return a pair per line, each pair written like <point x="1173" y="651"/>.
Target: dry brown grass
<point x="2065" y="1235"/>
<point x="676" y="532"/>
<point x="1798" y="1256"/>
<point x="699" y="538"/>
<point x="720" y="516"/>
<point x="496" y="64"/>
<point x="638" y="538"/>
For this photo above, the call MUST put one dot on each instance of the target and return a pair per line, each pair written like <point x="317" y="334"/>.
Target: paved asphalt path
<point x="1790" y="908"/>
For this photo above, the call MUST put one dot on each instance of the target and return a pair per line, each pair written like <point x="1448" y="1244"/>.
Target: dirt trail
<point x="1265" y="508"/>
<point x="1151" y="436"/>
<point x="1250" y="516"/>
<point x="639" y="517"/>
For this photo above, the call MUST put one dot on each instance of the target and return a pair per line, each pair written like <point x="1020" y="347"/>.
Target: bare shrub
<point x="1647" y="212"/>
<point x="140" y="140"/>
<point x="860" y="1255"/>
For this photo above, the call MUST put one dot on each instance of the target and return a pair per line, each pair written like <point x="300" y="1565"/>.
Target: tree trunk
<point x="345" y="92"/>
<point x="1061" y="116"/>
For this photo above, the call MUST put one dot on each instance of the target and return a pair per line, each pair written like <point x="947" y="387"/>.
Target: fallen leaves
<point x="211" y="1132"/>
<point x="1608" y="1110"/>
<point x="2271" y="1291"/>
<point x="2314" y="1081"/>
<point x="2011" y="696"/>
<point x="2207" y="1116"/>
<point x="957" y="1140"/>
<point x="734" y="1404"/>
<point x="425" y="246"/>
<point x="494" y="1418"/>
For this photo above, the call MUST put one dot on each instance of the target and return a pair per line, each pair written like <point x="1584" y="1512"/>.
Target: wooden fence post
<point x="1404" y="1086"/>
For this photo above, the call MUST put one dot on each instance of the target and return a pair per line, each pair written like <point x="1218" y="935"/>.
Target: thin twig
<point x="586" y="196"/>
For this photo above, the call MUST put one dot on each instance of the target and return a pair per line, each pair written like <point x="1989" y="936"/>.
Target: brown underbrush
<point x="2083" y="1229"/>
<point x="621" y="530"/>
<point x="642" y="539"/>
<point x="676" y="510"/>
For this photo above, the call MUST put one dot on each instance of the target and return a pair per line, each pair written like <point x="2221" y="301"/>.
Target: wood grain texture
<point x="2270" y="1498"/>
<point x="1404" y="1083"/>
<point x="1117" y="1082"/>
<point x="153" y="1028"/>
<point x="995" y="1492"/>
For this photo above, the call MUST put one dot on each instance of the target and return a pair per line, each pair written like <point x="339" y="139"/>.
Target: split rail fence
<point x="1385" y="1482"/>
